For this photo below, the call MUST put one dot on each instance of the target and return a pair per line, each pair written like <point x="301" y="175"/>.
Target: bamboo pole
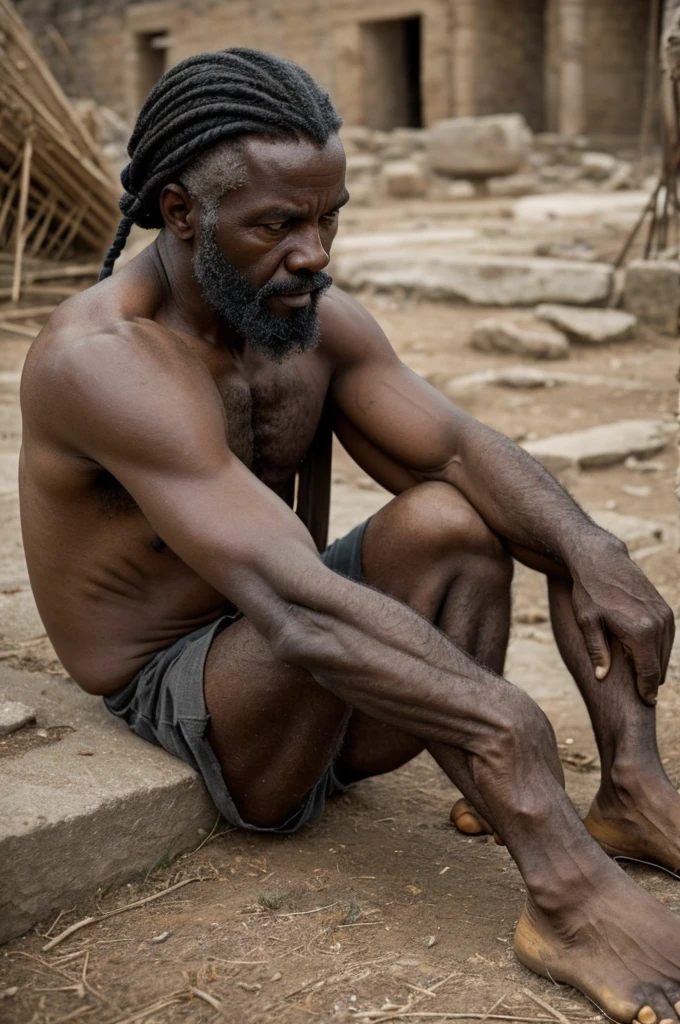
<point x="23" y="201"/>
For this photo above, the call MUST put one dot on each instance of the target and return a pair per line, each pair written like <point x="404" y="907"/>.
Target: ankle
<point x="630" y="779"/>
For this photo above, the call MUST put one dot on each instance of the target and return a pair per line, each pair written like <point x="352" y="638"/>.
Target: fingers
<point x="596" y="644"/>
<point x="647" y="672"/>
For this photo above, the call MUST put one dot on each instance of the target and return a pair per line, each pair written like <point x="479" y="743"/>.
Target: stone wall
<point x="536" y="57"/>
<point x="615" y="58"/>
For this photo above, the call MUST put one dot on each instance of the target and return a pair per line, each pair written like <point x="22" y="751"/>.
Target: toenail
<point x="666" y="1020"/>
<point x="677" y="1006"/>
<point x="646" y="1015"/>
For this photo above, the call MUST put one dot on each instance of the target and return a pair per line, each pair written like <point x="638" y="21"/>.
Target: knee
<point x="441" y="522"/>
<point x="524" y="736"/>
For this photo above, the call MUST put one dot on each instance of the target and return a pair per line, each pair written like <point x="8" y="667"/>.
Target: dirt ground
<point x="382" y="911"/>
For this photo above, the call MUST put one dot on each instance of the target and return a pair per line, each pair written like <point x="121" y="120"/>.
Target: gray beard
<point x="244" y="309"/>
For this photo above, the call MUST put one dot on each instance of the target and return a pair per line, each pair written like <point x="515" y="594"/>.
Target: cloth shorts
<point x="165" y="704"/>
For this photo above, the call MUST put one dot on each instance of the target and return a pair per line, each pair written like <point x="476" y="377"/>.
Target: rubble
<point x="485" y="280"/>
<point x="531" y="377"/>
<point x="600" y="446"/>
<point x="589" y="326"/>
<point x="479" y="147"/>
<point x="500" y="336"/>
<point x="652" y="293"/>
<point x="563" y="205"/>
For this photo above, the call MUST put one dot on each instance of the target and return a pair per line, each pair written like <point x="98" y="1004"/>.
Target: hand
<point x="611" y="595"/>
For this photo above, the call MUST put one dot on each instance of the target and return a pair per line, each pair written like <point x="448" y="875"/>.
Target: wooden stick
<point x="87" y="921"/>
<point x="23" y="200"/>
<point x="210" y="1000"/>
<point x="545" y="1006"/>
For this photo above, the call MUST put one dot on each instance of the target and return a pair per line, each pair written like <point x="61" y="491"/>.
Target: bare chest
<point x="272" y="419"/>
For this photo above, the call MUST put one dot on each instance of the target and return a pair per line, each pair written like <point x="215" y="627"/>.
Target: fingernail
<point x="600" y="672"/>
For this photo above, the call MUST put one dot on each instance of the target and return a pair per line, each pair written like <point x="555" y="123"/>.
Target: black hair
<point x="205" y="100"/>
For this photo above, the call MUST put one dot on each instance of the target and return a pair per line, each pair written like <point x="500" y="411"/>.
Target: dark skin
<point x="156" y="445"/>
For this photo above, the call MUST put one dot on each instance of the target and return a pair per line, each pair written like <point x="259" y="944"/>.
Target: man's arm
<point x="401" y="430"/>
<point x="147" y="410"/>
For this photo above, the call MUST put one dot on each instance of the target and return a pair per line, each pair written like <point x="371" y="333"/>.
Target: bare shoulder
<point x="125" y="374"/>
<point x="351" y="335"/>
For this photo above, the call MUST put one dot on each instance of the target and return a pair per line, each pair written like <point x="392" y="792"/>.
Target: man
<point x="166" y="413"/>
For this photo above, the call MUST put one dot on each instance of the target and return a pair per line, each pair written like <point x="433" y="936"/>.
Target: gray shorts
<point x="165" y="704"/>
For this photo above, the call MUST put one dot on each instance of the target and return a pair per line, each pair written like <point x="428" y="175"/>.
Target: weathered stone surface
<point x="14" y="715"/>
<point x="589" y="326"/>
<point x="486" y="280"/>
<point x="404" y="179"/>
<point x="69" y="824"/>
<point x="635" y="532"/>
<point x="480" y="147"/>
<point x="599" y="446"/>
<point x="532" y="377"/>
<point x="499" y="336"/>
<point x="564" y="205"/>
<point x="652" y="293"/>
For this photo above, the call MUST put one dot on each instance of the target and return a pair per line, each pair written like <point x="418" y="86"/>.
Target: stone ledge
<point x="70" y="823"/>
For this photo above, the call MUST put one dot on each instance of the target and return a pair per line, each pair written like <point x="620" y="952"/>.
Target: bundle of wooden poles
<point x="57" y="197"/>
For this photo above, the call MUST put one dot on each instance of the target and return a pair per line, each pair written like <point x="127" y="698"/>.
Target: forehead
<point x="291" y="168"/>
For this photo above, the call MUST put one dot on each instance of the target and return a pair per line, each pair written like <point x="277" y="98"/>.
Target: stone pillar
<point x="464" y="58"/>
<point x="572" y="110"/>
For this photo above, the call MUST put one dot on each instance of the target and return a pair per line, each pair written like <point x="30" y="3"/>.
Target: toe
<point x="658" y="1010"/>
<point x="466" y="819"/>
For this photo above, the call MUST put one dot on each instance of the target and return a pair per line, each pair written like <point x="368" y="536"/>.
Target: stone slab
<point x="567" y="205"/>
<point x="72" y="821"/>
<point x="483" y="280"/>
<point x="600" y="446"/>
<point x="589" y="326"/>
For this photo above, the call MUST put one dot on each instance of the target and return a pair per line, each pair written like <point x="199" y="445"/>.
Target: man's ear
<point x="180" y="211"/>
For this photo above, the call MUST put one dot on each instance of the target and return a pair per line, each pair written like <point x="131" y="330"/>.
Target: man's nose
<point x="307" y="253"/>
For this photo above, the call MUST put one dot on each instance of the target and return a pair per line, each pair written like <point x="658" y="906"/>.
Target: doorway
<point x="391" y="52"/>
<point x="152" y="50"/>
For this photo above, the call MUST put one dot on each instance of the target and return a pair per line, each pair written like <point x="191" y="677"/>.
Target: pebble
<point x="14" y="715"/>
<point x="637" y="492"/>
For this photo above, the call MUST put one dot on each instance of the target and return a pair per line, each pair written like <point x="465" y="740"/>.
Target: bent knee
<point x="437" y="517"/>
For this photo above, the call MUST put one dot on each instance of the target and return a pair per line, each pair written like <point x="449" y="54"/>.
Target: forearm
<point x="519" y="499"/>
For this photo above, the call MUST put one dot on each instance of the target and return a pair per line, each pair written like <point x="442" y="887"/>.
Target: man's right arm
<point x="148" y="411"/>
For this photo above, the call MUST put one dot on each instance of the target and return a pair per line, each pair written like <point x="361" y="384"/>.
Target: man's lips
<point x="295" y="300"/>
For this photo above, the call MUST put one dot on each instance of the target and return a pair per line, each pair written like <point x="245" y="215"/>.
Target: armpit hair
<point x="214" y="173"/>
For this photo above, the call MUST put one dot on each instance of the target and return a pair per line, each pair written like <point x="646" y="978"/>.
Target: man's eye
<point x="330" y="218"/>
<point x="279" y="226"/>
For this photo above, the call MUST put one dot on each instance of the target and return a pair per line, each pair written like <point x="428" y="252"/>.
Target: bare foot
<point x="470" y="823"/>
<point x="639" y="821"/>
<point x="617" y="945"/>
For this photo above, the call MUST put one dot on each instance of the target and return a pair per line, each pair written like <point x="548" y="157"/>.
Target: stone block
<point x="479" y="147"/>
<point x="652" y="293"/>
<point x="485" y="280"/>
<point x="404" y="179"/>
<point x="600" y="446"/>
<point x="598" y="166"/>
<point x="498" y="336"/>
<point x="69" y="823"/>
<point x="589" y="326"/>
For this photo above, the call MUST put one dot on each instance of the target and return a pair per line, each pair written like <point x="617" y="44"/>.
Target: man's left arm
<point x="402" y="430"/>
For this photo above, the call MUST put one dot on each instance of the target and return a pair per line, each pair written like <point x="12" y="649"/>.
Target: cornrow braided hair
<point x="205" y="100"/>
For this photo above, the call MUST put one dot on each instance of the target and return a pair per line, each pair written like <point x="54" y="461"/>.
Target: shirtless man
<point x="166" y="412"/>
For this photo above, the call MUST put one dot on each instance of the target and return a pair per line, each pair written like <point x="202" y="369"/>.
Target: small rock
<point x="162" y="937"/>
<point x="600" y="446"/>
<point x="460" y="190"/>
<point x="13" y="716"/>
<point x="636" y="492"/>
<point x="498" y="336"/>
<point x="431" y="941"/>
<point x="589" y="326"/>
<point x="276" y="976"/>
<point x="404" y="179"/>
<point x="644" y="465"/>
<point x="652" y="293"/>
<point x="524" y="377"/>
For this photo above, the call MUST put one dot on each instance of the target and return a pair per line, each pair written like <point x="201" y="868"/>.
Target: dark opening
<point x="392" y="66"/>
<point x="152" y="50"/>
